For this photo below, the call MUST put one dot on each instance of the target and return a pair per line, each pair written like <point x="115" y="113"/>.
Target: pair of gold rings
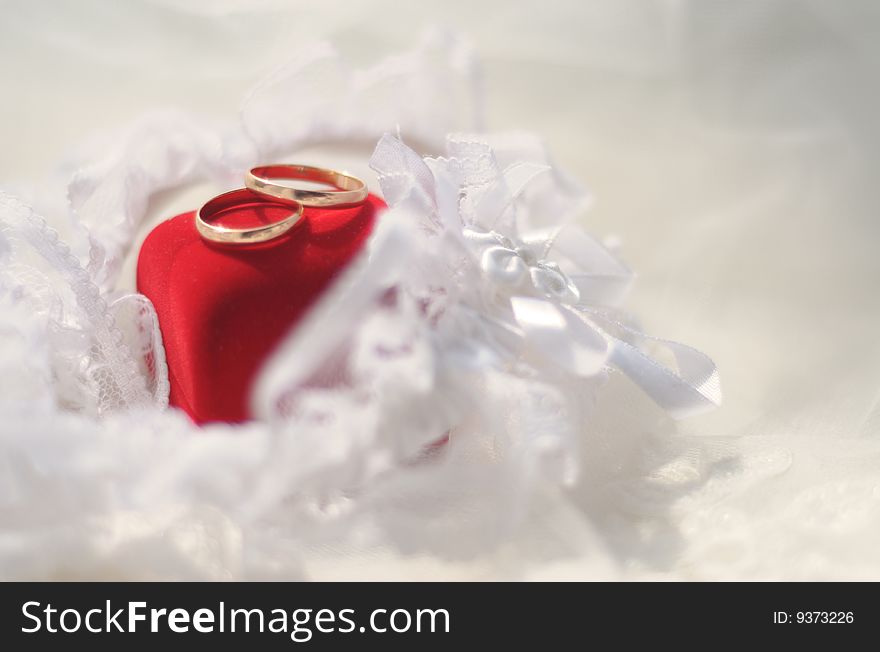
<point x="263" y="187"/>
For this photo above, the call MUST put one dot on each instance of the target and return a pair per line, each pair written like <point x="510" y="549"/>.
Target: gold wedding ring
<point x="238" y="199"/>
<point x="349" y="189"/>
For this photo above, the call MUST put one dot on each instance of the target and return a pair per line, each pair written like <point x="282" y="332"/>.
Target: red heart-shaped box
<point x="224" y="307"/>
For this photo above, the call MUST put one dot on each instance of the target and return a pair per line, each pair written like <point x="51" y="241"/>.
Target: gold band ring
<point x="237" y="199"/>
<point x="351" y="190"/>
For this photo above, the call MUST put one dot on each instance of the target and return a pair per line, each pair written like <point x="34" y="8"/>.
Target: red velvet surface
<point x="223" y="308"/>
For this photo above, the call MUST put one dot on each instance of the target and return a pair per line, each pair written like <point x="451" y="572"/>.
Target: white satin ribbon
<point x="691" y="387"/>
<point x="546" y="306"/>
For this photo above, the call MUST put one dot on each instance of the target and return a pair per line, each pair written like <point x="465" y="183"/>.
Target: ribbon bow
<point x="519" y="266"/>
<point x="560" y="284"/>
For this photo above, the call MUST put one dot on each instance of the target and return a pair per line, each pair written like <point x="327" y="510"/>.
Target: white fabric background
<point x="731" y="146"/>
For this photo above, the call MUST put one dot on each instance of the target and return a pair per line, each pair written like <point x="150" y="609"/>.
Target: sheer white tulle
<point x="481" y="312"/>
